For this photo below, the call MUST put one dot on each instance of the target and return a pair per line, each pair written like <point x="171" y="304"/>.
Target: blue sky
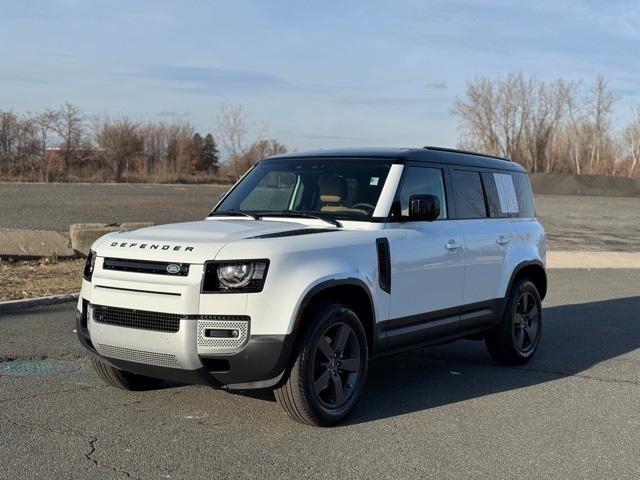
<point x="314" y="74"/>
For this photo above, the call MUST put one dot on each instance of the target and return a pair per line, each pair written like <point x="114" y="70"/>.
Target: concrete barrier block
<point x="17" y="243"/>
<point x="84" y="234"/>
<point x="126" y="226"/>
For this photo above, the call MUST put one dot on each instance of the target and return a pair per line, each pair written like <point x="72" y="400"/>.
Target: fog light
<point x="221" y="333"/>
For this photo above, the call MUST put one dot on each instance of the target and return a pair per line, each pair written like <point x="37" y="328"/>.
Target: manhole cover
<point x="21" y="368"/>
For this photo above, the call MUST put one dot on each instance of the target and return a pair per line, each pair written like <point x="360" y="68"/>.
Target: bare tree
<point x="552" y="126"/>
<point x="547" y="110"/>
<point x="494" y="114"/>
<point x="44" y="122"/>
<point x="19" y="144"/>
<point x="478" y="116"/>
<point x="119" y="141"/>
<point x="263" y="148"/>
<point x="602" y="101"/>
<point x="232" y="130"/>
<point x="631" y="142"/>
<point x="69" y="124"/>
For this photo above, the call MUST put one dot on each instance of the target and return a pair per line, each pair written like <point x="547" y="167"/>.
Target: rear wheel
<point x="329" y="370"/>
<point x="124" y="380"/>
<point x="517" y="337"/>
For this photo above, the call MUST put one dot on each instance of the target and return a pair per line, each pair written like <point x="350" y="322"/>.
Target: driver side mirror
<point x="424" y="207"/>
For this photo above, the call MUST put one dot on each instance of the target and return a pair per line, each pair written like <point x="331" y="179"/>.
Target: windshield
<point x="329" y="188"/>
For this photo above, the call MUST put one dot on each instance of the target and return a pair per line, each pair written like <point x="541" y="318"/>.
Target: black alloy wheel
<point x="516" y="339"/>
<point x="526" y="319"/>
<point x="336" y="365"/>
<point x="329" y="369"/>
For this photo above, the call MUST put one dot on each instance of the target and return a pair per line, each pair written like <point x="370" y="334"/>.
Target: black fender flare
<point x="327" y="284"/>
<point x="521" y="266"/>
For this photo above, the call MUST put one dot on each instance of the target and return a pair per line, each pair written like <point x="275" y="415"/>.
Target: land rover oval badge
<point x="173" y="268"/>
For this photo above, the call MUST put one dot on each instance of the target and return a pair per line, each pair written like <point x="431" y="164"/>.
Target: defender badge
<point x="173" y="268"/>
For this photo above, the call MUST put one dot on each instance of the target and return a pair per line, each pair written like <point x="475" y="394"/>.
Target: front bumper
<point x="260" y="362"/>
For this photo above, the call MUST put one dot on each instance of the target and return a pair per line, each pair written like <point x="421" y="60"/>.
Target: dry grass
<point x="39" y="278"/>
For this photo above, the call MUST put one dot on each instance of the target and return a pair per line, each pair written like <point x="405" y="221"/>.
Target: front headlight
<point x="89" y="265"/>
<point x="237" y="276"/>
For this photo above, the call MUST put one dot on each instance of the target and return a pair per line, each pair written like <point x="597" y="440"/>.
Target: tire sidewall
<point x="524" y="286"/>
<point x="325" y="317"/>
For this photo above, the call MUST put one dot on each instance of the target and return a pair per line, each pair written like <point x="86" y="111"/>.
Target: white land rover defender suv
<point x="312" y="265"/>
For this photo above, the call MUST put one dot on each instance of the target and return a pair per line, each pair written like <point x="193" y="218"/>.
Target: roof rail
<point x="466" y="152"/>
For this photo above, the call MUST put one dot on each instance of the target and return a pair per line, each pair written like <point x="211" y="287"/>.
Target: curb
<point x="18" y="305"/>
<point x="592" y="260"/>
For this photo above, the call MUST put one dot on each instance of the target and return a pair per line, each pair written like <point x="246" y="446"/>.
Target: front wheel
<point x="329" y="371"/>
<point x="122" y="379"/>
<point x="517" y="337"/>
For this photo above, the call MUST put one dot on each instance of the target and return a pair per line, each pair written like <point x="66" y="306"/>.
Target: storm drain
<point x="22" y="368"/>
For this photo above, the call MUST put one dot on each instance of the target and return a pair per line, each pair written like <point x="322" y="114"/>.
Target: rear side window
<point x="508" y="195"/>
<point x="493" y="198"/>
<point x="469" y="194"/>
<point x="523" y="194"/>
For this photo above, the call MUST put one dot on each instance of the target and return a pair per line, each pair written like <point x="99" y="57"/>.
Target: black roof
<point x="425" y="154"/>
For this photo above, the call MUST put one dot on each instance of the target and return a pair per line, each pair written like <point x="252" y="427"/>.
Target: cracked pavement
<point x="443" y="412"/>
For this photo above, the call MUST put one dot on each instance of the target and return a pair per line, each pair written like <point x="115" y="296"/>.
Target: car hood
<point x="191" y="242"/>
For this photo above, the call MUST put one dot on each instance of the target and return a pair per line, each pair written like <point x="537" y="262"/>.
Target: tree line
<point x="65" y="145"/>
<point x="556" y="126"/>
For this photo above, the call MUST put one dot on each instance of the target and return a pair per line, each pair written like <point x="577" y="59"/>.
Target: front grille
<point x="145" y="266"/>
<point x="139" y="356"/>
<point x="125" y="317"/>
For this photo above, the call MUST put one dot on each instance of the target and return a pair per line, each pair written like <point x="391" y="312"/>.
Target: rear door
<point x="427" y="263"/>
<point x="486" y="237"/>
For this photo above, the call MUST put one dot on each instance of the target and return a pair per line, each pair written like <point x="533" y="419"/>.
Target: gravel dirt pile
<point x="566" y="184"/>
<point x="30" y="279"/>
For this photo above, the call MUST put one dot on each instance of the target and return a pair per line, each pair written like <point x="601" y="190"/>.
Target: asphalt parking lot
<point x="571" y="222"/>
<point x="444" y="412"/>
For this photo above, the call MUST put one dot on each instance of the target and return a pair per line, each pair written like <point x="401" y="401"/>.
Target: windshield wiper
<point x="287" y="213"/>
<point x="233" y="213"/>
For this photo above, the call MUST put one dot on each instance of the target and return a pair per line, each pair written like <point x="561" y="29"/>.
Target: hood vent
<point x="293" y="233"/>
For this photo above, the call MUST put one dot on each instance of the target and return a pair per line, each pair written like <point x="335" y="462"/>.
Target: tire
<point x="123" y="380"/>
<point x="516" y="339"/>
<point x="329" y="369"/>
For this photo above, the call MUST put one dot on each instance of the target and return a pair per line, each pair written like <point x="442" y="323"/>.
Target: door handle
<point x="452" y="245"/>
<point x="502" y="240"/>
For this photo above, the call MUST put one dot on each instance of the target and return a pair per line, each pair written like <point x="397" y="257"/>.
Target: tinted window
<point x="420" y="181"/>
<point x="494" y="206"/>
<point x="469" y="195"/>
<point x="512" y="199"/>
<point x="524" y="195"/>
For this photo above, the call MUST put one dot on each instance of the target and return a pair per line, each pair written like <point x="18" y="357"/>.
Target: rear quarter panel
<point x="528" y="243"/>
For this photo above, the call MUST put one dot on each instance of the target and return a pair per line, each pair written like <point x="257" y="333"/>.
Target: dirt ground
<point x="39" y="278"/>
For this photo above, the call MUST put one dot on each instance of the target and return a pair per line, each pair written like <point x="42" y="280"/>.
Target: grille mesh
<point x="144" y="266"/>
<point x="141" y="319"/>
<point x="223" y="342"/>
<point x="139" y="356"/>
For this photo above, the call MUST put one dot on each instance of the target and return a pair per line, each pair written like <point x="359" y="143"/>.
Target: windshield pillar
<point x="388" y="194"/>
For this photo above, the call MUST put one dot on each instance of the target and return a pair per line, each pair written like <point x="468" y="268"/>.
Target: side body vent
<point x="384" y="264"/>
